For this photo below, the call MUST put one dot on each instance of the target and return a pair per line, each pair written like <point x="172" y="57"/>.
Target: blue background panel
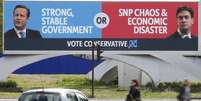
<point x="66" y="64"/>
<point x="83" y="12"/>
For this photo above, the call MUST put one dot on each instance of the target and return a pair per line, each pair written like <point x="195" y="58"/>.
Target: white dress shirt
<point x="183" y="36"/>
<point x="18" y="32"/>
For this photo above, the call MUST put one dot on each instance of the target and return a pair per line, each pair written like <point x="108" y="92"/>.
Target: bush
<point x="173" y="86"/>
<point x="149" y="85"/>
<point x="196" y="87"/>
<point x="162" y="86"/>
<point x="9" y="86"/>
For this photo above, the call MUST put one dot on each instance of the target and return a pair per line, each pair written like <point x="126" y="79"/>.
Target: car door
<point x="81" y="97"/>
<point x="71" y="96"/>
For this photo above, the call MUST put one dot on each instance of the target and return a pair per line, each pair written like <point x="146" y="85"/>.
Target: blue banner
<point x="58" y="19"/>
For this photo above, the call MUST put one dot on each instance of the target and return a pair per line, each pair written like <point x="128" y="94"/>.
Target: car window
<point x="81" y="97"/>
<point x="71" y="97"/>
<point x="38" y="96"/>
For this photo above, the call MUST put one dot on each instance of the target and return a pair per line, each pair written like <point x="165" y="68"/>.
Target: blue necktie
<point x="22" y="34"/>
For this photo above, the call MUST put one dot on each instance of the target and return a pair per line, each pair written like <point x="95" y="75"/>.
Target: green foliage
<point x="162" y="86"/>
<point x="8" y="84"/>
<point x="149" y="85"/>
<point x="173" y="86"/>
<point x="196" y="87"/>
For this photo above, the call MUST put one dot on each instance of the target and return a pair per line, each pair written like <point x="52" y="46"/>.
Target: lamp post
<point x="98" y="49"/>
<point x="92" y="70"/>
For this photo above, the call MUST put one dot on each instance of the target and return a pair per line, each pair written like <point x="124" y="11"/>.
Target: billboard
<point x="116" y="26"/>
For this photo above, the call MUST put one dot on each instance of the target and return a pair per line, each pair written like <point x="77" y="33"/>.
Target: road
<point x="109" y="100"/>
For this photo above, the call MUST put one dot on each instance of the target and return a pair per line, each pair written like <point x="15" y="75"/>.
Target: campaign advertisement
<point x="115" y="26"/>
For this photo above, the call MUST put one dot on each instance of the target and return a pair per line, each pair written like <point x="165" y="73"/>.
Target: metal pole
<point x="140" y="77"/>
<point x="93" y="70"/>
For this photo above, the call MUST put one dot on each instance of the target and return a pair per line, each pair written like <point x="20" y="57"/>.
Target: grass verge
<point x="80" y="82"/>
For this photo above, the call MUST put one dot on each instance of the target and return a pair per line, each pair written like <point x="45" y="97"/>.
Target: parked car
<point x="53" y="94"/>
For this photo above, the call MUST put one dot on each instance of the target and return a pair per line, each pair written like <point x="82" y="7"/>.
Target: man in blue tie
<point x="21" y="15"/>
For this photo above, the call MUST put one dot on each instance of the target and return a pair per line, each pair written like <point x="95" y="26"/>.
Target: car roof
<point x="54" y="90"/>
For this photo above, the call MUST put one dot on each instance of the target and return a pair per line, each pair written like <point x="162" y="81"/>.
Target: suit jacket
<point x="177" y="36"/>
<point x="30" y="34"/>
<point x="183" y="94"/>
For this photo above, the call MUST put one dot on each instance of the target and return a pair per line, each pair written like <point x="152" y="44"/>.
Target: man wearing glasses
<point x="184" y="23"/>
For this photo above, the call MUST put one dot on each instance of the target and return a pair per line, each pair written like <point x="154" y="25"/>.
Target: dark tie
<point x="22" y="34"/>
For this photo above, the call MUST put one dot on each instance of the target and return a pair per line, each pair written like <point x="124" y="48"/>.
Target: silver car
<point x="53" y="94"/>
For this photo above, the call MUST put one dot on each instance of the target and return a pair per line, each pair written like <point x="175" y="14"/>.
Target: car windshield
<point x="40" y="96"/>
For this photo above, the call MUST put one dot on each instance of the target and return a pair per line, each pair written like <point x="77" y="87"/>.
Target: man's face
<point x="184" y="21"/>
<point x="20" y="18"/>
<point x="133" y="83"/>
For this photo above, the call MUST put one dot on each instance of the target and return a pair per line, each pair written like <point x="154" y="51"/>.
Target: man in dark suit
<point x="184" y="92"/>
<point x="184" y="22"/>
<point x="21" y="15"/>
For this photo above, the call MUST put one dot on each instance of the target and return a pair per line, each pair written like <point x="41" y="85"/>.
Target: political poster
<point x="115" y="26"/>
